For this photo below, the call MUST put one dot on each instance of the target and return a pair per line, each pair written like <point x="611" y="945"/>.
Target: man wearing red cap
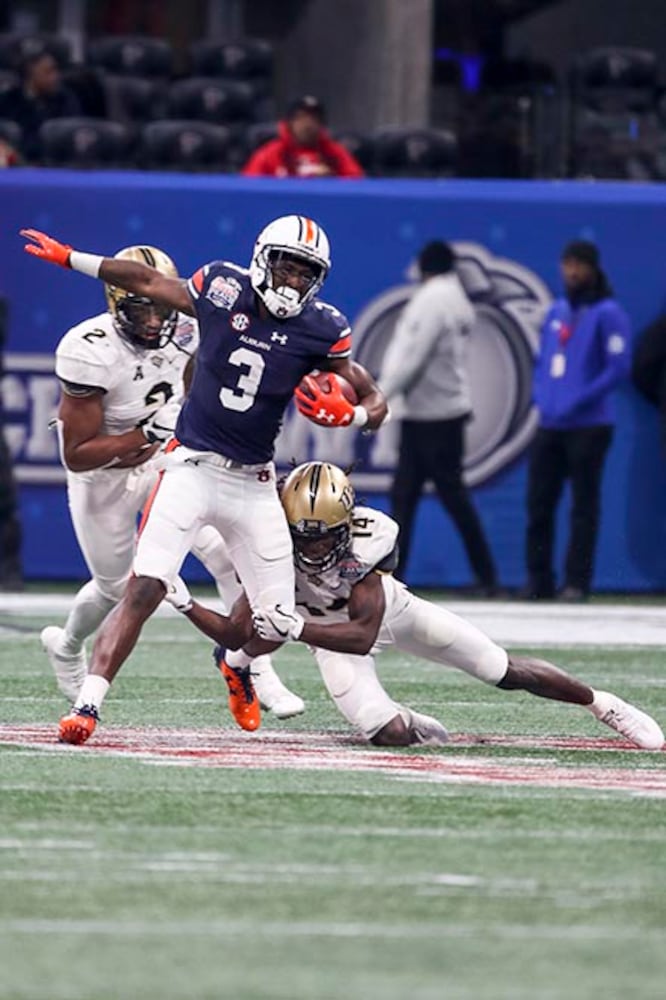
<point x="303" y="147"/>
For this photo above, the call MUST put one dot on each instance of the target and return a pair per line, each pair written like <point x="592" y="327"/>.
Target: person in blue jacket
<point x="585" y="353"/>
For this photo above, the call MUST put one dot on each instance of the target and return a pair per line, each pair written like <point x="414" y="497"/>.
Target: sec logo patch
<point x="240" y="321"/>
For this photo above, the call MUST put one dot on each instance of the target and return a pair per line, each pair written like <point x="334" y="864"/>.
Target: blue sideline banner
<point x="508" y="236"/>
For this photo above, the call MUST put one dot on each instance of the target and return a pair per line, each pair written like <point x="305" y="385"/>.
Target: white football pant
<point x="415" y="626"/>
<point x="104" y="505"/>
<point x="241" y="503"/>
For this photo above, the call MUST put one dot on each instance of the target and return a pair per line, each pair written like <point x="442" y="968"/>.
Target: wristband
<point x="297" y="630"/>
<point x="360" y="417"/>
<point x="86" y="263"/>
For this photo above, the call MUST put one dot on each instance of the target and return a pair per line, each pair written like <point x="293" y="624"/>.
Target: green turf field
<point x="190" y="860"/>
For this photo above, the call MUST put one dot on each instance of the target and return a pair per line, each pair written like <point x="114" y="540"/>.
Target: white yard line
<point x="294" y="929"/>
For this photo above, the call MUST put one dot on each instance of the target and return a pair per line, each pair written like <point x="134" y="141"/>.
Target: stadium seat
<point x="361" y="147"/>
<point x="131" y="55"/>
<point x="247" y="138"/>
<point x="184" y="145"/>
<point x="87" y="83"/>
<point x="247" y="60"/>
<point x="401" y="151"/>
<point x="211" y="99"/>
<point x="614" y="120"/>
<point x="7" y="80"/>
<point x="134" y="98"/>
<point x="609" y="79"/>
<point x="257" y="134"/>
<point x="11" y="133"/>
<point x="85" y="143"/>
<point x="14" y="48"/>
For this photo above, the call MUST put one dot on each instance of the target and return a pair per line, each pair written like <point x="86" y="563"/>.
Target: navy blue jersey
<point x="247" y="368"/>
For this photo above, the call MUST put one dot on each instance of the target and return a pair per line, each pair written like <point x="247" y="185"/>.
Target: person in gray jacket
<point x="425" y="365"/>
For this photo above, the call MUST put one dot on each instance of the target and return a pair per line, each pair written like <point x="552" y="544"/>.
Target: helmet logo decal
<point x="311" y="234"/>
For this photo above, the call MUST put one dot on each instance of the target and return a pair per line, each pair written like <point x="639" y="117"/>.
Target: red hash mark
<point x="319" y="751"/>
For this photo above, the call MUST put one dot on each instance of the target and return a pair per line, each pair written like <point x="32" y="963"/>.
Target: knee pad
<point x="493" y="664"/>
<point x="338" y="675"/>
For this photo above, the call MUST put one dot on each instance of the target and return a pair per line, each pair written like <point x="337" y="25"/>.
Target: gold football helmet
<point x="318" y="500"/>
<point x="144" y="323"/>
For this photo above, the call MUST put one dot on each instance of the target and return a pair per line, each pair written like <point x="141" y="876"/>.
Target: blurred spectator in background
<point x="11" y="571"/>
<point x="425" y="364"/>
<point x="649" y="368"/>
<point x="584" y="354"/>
<point x="39" y="96"/>
<point x="303" y="147"/>
<point x="8" y="155"/>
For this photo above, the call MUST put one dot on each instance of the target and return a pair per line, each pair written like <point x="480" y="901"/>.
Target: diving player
<point x="349" y="606"/>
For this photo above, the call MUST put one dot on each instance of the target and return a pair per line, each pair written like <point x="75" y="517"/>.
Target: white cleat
<point x="70" y="671"/>
<point x="273" y="695"/>
<point x="627" y="720"/>
<point x="426" y="731"/>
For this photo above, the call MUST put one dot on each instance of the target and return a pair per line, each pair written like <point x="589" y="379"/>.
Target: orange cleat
<point x="243" y="701"/>
<point x="79" y="725"/>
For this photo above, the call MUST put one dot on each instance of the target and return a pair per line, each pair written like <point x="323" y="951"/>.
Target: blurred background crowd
<point x="436" y="88"/>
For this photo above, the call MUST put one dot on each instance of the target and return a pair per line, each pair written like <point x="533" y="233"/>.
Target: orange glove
<point x="46" y="247"/>
<point x="330" y="409"/>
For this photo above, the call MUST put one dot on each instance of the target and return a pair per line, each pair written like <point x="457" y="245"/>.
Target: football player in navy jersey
<point x="262" y="330"/>
<point x="123" y="374"/>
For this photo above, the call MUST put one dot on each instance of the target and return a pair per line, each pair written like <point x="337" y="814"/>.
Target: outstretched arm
<point x="233" y="631"/>
<point x="130" y="275"/>
<point x="358" y="635"/>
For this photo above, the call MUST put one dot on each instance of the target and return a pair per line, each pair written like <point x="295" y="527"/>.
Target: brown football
<point x="323" y="380"/>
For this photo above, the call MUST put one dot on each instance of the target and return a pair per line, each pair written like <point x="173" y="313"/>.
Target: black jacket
<point x="648" y="369"/>
<point x="31" y="112"/>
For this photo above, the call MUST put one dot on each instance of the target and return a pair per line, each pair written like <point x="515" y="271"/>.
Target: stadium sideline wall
<point x="376" y="227"/>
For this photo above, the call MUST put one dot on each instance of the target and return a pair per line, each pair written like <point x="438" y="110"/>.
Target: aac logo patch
<point x="223" y="291"/>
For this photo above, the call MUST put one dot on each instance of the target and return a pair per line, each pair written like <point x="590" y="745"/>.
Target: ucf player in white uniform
<point x="350" y="606"/>
<point x="123" y="375"/>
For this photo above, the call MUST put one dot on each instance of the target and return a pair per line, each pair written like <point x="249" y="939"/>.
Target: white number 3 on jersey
<point x="242" y="397"/>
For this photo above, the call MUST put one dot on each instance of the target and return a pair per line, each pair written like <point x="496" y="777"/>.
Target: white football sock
<point x="262" y="667"/>
<point x="599" y="704"/>
<point x="93" y="692"/>
<point x="237" y="658"/>
<point x="89" y="610"/>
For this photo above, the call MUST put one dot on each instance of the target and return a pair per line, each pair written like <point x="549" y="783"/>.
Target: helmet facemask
<point x="287" y="288"/>
<point x="309" y="555"/>
<point x="143" y="323"/>
<point x="290" y="262"/>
